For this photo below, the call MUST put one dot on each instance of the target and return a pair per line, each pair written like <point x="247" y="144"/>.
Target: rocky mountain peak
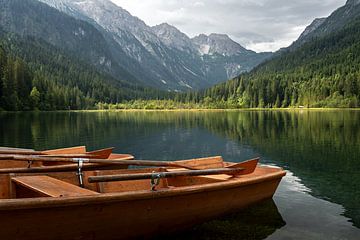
<point x="173" y="37"/>
<point x="218" y="44"/>
<point x="352" y="2"/>
<point x="103" y="12"/>
<point x="312" y="27"/>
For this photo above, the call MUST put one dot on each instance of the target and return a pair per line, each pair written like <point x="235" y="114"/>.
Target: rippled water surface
<point x="318" y="199"/>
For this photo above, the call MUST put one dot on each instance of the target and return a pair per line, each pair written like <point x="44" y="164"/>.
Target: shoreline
<point x="190" y="110"/>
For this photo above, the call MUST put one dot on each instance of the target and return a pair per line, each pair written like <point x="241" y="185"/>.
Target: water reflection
<point x="256" y="222"/>
<point x="321" y="148"/>
<point x="308" y="217"/>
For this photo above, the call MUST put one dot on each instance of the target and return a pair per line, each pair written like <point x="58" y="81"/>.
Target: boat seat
<point x="31" y="186"/>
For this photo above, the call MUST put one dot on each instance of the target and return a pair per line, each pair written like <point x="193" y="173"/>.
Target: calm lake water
<point x="318" y="199"/>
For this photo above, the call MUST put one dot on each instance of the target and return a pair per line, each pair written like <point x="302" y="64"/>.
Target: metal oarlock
<point x="80" y="174"/>
<point x="155" y="180"/>
<point x="29" y="164"/>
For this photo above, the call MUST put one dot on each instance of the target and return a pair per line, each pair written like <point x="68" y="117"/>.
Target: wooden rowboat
<point x="156" y="201"/>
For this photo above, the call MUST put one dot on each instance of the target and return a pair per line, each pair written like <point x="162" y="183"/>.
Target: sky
<point x="259" y="25"/>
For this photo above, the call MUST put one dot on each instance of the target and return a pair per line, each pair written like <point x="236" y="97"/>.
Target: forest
<point x="36" y="76"/>
<point x="324" y="72"/>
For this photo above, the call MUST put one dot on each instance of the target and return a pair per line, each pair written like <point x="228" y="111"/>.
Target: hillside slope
<point x="323" y="72"/>
<point x="32" y="18"/>
<point x="37" y="75"/>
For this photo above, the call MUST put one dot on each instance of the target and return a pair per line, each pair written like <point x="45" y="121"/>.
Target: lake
<point x="318" y="199"/>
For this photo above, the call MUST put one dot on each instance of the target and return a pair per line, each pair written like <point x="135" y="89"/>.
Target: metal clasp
<point x="80" y="174"/>
<point x="29" y="164"/>
<point x="155" y="180"/>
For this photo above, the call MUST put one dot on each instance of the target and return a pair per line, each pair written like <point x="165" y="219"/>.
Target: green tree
<point x="35" y="98"/>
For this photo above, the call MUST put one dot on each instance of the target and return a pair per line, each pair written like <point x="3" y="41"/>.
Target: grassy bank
<point x="173" y="105"/>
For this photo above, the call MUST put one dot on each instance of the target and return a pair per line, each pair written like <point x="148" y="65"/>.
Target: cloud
<point x="261" y="25"/>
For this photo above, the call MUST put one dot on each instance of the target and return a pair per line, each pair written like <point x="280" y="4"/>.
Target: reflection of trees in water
<point x="256" y="222"/>
<point x="321" y="147"/>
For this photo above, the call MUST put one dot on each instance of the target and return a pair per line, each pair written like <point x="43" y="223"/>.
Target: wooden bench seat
<point x="48" y="186"/>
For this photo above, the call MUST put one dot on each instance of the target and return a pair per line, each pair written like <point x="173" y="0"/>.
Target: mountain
<point x="159" y="66"/>
<point x="32" y="18"/>
<point x="161" y="56"/>
<point x="324" y="26"/>
<point x="321" y="69"/>
<point x="36" y="75"/>
<point x="66" y="63"/>
<point x="218" y="44"/>
<point x="223" y="57"/>
<point x="173" y="38"/>
<point x="311" y="28"/>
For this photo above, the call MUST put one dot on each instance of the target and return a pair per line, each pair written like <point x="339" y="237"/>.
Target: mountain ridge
<point x="27" y="18"/>
<point x="172" y="67"/>
<point x="324" y="26"/>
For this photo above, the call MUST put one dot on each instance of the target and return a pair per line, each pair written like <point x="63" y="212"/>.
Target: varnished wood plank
<point x="51" y="187"/>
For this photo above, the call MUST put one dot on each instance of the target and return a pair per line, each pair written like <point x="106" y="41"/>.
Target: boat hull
<point x="124" y="216"/>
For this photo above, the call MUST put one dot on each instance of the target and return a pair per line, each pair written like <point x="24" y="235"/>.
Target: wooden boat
<point x="155" y="202"/>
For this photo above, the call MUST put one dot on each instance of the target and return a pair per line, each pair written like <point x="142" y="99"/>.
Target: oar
<point x="99" y="161"/>
<point x="98" y="154"/>
<point x="60" y="168"/>
<point x="75" y="155"/>
<point x="68" y="155"/>
<point x="158" y="175"/>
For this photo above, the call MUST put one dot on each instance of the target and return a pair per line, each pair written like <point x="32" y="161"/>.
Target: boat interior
<point x="67" y="184"/>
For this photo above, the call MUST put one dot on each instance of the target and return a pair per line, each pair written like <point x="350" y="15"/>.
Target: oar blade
<point x="249" y="166"/>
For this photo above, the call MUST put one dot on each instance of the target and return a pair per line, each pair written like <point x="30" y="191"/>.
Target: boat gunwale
<point x="108" y="198"/>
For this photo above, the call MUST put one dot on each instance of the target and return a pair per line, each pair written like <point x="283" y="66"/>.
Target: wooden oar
<point x="157" y="175"/>
<point x="248" y="165"/>
<point x="68" y="155"/>
<point x="17" y="156"/>
<point x="99" y="161"/>
<point x="60" y="168"/>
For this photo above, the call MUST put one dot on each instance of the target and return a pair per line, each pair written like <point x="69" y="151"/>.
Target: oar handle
<point x="39" y="158"/>
<point x="142" y="176"/>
